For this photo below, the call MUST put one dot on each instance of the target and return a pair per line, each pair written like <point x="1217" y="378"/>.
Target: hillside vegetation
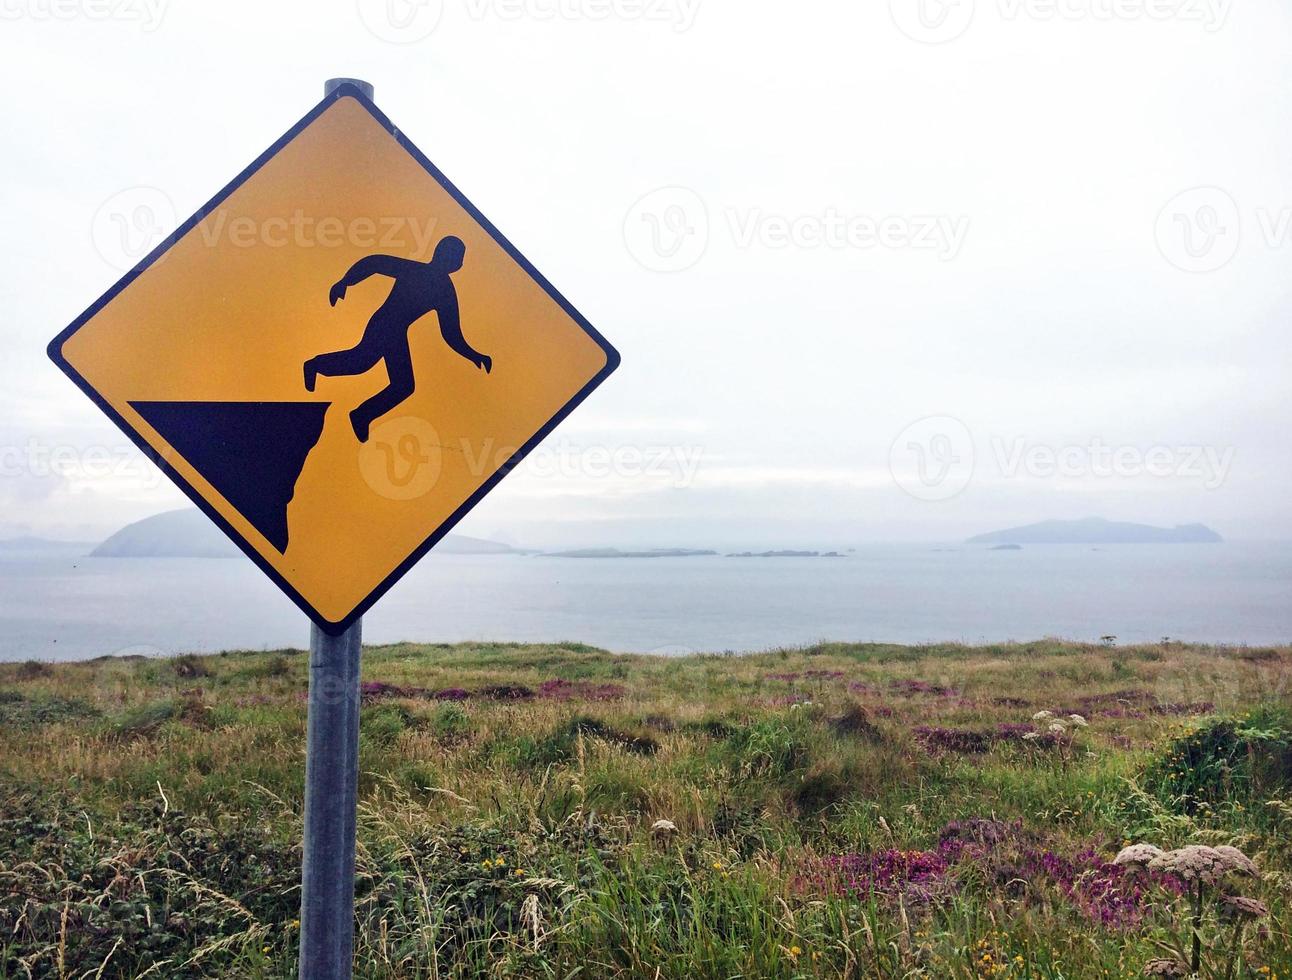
<point x="561" y="812"/>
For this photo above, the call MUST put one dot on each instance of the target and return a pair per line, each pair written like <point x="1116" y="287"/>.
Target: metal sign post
<point x="331" y="788"/>
<point x="331" y="798"/>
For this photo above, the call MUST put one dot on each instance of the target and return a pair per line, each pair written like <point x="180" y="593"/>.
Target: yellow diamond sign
<point x="336" y="358"/>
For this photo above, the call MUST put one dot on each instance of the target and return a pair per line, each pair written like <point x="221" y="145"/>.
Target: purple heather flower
<point x="563" y="690"/>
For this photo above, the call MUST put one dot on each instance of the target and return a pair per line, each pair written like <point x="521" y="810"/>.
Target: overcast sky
<point x="877" y="271"/>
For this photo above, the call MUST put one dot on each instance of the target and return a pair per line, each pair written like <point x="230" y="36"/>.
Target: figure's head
<point x="449" y="253"/>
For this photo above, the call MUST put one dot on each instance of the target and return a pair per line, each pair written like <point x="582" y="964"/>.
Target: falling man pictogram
<point x="419" y="288"/>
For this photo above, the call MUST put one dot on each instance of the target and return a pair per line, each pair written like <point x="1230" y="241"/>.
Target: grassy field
<point x="842" y="810"/>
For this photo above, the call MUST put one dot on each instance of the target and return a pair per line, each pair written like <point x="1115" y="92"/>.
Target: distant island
<point x="188" y="533"/>
<point x="616" y="553"/>
<point x="1097" y="530"/>
<point x="785" y="554"/>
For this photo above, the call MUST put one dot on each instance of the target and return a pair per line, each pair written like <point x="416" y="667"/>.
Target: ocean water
<point x="66" y="606"/>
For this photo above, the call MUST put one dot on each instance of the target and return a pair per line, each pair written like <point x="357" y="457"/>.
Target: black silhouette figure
<point x="420" y="287"/>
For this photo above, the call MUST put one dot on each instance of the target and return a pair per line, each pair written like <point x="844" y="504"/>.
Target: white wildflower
<point x="1078" y="721"/>
<point x="1031" y="736"/>
<point x="1196" y="862"/>
<point x="663" y="828"/>
<point x="1238" y="861"/>
<point x="1137" y="854"/>
<point x="1058" y="728"/>
<point x="1043" y="716"/>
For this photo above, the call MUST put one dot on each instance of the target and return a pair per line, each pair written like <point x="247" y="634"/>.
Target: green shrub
<point x="711" y="728"/>
<point x="385" y="724"/>
<point x="20" y="711"/>
<point x="145" y="720"/>
<point x="188" y="666"/>
<point x="451" y="723"/>
<point x="768" y="748"/>
<point x="151" y="903"/>
<point x="855" y="722"/>
<point x="1229" y="759"/>
<point x="562" y="745"/>
<point x="820" y="789"/>
<point x="30" y="670"/>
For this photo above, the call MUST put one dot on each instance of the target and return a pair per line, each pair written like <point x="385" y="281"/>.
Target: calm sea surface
<point x="66" y="606"/>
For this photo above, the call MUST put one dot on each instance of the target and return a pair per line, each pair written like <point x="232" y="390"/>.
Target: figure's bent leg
<point x="356" y="360"/>
<point x="399" y="368"/>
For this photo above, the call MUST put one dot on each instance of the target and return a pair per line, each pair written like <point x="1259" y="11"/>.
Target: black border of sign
<point x="345" y="91"/>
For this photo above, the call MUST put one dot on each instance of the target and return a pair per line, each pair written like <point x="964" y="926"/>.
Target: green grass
<point x="843" y="810"/>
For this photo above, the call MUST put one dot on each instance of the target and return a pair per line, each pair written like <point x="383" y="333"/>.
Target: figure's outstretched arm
<point x="371" y="265"/>
<point x="451" y="330"/>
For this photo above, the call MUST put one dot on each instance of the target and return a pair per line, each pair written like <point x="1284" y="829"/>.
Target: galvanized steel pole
<point x="331" y="792"/>
<point x="331" y="788"/>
